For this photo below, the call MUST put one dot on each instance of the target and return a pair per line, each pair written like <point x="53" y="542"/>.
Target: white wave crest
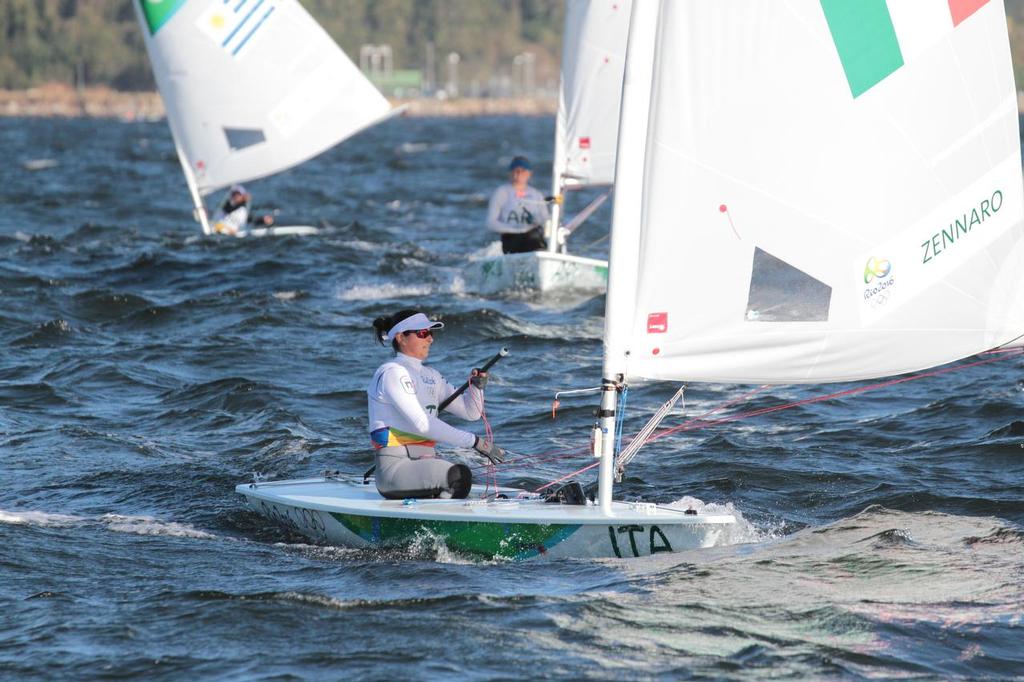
<point x="743" y="532"/>
<point x="146" y="525"/>
<point x="426" y="544"/>
<point x="362" y="245"/>
<point x="372" y="292"/>
<point x="491" y="250"/>
<point x="139" y="525"/>
<point x="37" y="518"/>
<point x="314" y="600"/>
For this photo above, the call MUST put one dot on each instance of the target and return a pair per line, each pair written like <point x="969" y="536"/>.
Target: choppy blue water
<point x="146" y="371"/>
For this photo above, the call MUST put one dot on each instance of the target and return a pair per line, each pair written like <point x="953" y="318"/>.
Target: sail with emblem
<point x="815" y="191"/>
<point x="251" y="87"/>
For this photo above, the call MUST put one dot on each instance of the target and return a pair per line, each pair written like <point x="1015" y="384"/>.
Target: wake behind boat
<point x="252" y="89"/>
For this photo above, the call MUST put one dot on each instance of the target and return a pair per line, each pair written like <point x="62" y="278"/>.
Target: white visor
<point x="413" y="323"/>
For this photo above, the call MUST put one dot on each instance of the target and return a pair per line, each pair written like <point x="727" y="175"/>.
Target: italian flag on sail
<point x="157" y="12"/>
<point x="874" y="38"/>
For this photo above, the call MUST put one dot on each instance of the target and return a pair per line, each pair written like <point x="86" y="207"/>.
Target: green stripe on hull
<point x="490" y="540"/>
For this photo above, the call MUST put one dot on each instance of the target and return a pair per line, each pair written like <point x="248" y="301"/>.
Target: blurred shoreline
<point x="60" y="100"/>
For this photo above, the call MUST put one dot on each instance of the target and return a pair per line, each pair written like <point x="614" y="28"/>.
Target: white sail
<point x="589" y="97"/>
<point x="815" y="191"/>
<point x="593" y="58"/>
<point x="252" y="87"/>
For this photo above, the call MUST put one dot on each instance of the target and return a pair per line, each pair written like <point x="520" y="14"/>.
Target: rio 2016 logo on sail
<point x="879" y="272"/>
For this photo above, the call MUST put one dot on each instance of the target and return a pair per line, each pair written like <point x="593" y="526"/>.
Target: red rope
<point x="559" y="480"/>
<point x="690" y="425"/>
<point x="530" y="460"/>
<point x="700" y="423"/>
<point x="721" y="407"/>
<point x="491" y="474"/>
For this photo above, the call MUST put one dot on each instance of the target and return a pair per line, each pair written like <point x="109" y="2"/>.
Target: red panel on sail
<point x="657" y="323"/>
<point x="961" y="9"/>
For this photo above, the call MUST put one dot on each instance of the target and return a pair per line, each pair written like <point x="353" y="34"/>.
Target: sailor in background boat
<point x="233" y="215"/>
<point x="518" y="212"/>
<point x="403" y="398"/>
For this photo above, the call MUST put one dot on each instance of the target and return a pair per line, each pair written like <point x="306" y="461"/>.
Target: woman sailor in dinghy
<point x="233" y="215"/>
<point x="403" y="398"/>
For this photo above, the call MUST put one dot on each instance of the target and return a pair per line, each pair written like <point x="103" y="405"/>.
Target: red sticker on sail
<point x="584" y="143"/>
<point x="961" y="9"/>
<point x="657" y="323"/>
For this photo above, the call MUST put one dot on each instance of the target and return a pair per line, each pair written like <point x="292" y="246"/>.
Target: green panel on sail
<point x="865" y="39"/>
<point x="158" y="12"/>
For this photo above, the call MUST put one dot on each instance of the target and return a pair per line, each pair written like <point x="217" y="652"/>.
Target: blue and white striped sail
<point x="252" y="87"/>
<point x="814" y="190"/>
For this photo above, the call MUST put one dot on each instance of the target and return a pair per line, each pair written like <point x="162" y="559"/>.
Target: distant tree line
<point x="98" y="42"/>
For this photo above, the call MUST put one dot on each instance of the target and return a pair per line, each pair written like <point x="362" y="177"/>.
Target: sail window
<point x="240" y="138"/>
<point x="780" y="292"/>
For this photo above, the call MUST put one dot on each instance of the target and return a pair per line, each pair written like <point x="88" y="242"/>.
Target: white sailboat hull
<point x="347" y="513"/>
<point x="536" y="271"/>
<point x="280" y="231"/>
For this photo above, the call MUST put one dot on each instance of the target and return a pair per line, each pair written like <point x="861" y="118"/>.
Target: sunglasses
<point x="421" y="333"/>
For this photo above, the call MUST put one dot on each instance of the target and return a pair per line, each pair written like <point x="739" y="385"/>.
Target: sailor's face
<point x="411" y="343"/>
<point x="520" y="176"/>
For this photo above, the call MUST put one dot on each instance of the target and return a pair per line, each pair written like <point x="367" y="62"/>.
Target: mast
<point x="557" y="171"/>
<point x="626" y="223"/>
<point x="199" y="208"/>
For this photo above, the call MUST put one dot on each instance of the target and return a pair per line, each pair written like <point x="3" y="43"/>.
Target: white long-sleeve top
<point x="513" y="211"/>
<point x="232" y="222"/>
<point x="403" y="398"/>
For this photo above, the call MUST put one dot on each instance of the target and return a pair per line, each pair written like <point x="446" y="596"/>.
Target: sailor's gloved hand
<point x="478" y="378"/>
<point x="490" y="451"/>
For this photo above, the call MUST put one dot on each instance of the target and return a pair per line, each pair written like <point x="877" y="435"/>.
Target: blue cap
<point x="520" y="162"/>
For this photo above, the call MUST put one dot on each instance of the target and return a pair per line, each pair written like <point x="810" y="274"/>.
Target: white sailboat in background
<point x="808" y="191"/>
<point x="586" y="131"/>
<point x="251" y="88"/>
